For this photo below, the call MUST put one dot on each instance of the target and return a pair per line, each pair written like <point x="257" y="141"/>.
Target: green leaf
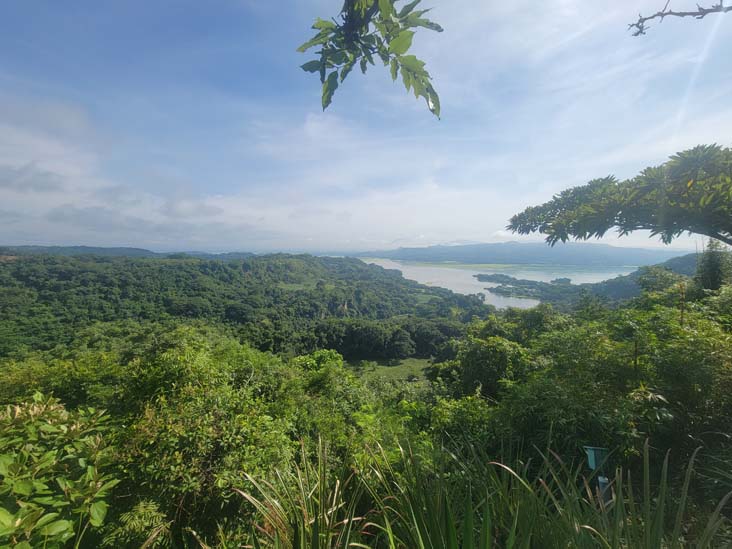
<point x="410" y="62"/>
<point x="23" y="487"/>
<point x="401" y="44"/>
<point x="45" y="519"/>
<point x="322" y="24"/>
<point x="311" y="66"/>
<point x="329" y="88"/>
<point x="98" y="511"/>
<point x="416" y="21"/>
<point x="347" y="69"/>
<point x="56" y="528"/>
<point x="364" y="64"/>
<point x="433" y="101"/>
<point x="5" y="462"/>
<point x="406" y="10"/>
<point x="394" y="69"/>
<point x="386" y="8"/>
<point x="320" y="38"/>
<point x="108" y="486"/>
<point x="468" y="518"/>
<point x="420" y="87"/>
<point x="337" y="57"/>
<point x="6" y="519"/>
<point x="486" y="534"/>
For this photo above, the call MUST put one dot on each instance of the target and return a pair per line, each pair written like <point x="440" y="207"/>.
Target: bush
<point x="54" y="482"/>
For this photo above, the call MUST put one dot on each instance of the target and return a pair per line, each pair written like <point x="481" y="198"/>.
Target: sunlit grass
<point x="408" y="369"/>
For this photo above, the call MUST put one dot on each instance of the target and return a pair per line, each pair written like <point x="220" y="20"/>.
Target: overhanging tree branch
<point x="688" y="193"/>
<point x="641" y="26"/>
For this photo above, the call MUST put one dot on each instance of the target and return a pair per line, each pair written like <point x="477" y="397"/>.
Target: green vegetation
<point x="567" y="296"/>
<point x="53" y="486"/>
<point x="408" y="369"/>
<point x="281" y="303"/>
<point x="383" y="28"/>
<point x="143" y="412"/>
<point x="367" y="30"/>
<point x="692" y="192"/>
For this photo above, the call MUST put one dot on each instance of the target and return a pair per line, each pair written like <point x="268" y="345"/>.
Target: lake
<point x="459" y="277"/>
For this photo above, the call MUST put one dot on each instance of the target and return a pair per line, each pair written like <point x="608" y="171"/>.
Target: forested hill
<point x="74" y="251"/>
<point x="282" y="303"/>
<point x="565" y="295"/>
<point x="571" y="253"/>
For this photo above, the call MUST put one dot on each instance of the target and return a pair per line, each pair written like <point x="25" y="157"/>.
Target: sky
<point x="188" y="125"/>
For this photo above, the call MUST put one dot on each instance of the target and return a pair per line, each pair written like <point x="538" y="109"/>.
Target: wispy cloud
<point x="213" y="139"/>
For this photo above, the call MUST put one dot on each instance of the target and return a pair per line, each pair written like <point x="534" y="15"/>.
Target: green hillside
<point x="280" y="303"/>
<point x="565" y="295"/>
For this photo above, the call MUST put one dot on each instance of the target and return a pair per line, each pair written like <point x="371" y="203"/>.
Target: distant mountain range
<point x="113" y="252"/>
<point x="515" y="253"/>
<point x="519" y="253"/>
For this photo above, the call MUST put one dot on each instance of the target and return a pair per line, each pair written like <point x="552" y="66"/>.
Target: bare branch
<point x="641" y="26"/>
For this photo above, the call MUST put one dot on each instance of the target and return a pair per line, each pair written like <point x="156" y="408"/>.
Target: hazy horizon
<point x="190" y="126"/>
<point x="354" y="253"/>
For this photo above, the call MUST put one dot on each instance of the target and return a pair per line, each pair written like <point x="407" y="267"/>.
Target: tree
<point x="655" y="278"/>
<point x="692" y="192"/>
<point x="369" y="29"/>
<point x="485" y="363"/>
<point x="641" y="26"/>
<point x="401" y="344"/>
<point x="714" y="269"/>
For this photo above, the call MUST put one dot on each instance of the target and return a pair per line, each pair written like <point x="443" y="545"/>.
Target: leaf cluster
<point x="367" y="31"/>
<point x="53" y="480"/>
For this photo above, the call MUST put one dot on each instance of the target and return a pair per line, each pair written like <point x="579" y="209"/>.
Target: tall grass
<point x="308" y="507"/>
<point x="475" y="503"/>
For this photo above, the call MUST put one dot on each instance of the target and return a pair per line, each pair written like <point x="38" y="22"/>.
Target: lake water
<point x="459" y="277"/>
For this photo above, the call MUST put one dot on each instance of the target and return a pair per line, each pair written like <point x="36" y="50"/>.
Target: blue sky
<point x="180" y="125"/>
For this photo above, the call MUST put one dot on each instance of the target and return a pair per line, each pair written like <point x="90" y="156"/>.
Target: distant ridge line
<point x="571" y="253"/>
<point x="100" y="251"/>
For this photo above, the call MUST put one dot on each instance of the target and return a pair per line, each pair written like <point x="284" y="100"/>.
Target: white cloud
<point x="537" y="96"/>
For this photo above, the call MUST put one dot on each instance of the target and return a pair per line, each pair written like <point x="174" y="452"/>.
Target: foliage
<point x="692" y="192"/>
<point x="481" y="503"/>
<point x="54" y="483"/>
<point x="328" y="451"/>
<point x="566" y="296"/>
<point x="368" y="30"/>
<point x="715" y="267"/>
<point x="309" y="506"/>
<point x="285" y="304"/>
<point x="143" y="526"/>
<point x="488" y="363"/>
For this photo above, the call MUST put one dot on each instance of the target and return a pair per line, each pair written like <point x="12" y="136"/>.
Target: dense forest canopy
<point x="149" y="408"/>
<point x="281" y="303"/>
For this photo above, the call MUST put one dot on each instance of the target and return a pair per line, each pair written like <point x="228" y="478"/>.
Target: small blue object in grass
<point x="596" y="456"/>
